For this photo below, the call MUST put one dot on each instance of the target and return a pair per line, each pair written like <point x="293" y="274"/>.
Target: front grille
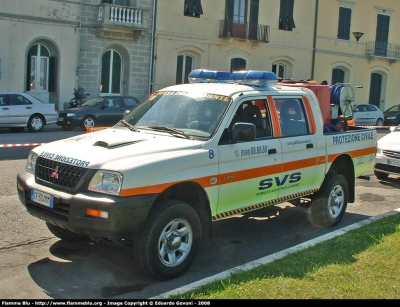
<point x="56" y="173"/>
<point x="391" y="154"/>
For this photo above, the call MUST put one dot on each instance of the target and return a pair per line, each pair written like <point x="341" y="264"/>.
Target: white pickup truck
<point x="190" y="154"/>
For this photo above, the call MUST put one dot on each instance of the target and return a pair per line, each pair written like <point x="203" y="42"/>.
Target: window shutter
<point x="52" y="74"/>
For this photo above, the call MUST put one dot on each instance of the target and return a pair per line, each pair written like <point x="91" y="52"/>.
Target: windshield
<point x="93" y="102"/>
<point x="194" y="114"/>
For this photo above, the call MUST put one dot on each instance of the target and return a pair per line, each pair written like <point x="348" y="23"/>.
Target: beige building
<point x="307" y="39"/>
<point x="50" y="47"/>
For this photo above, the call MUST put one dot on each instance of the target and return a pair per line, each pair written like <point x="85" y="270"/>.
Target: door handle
<point x="272" y="151"/>
<point x="311" y="145"/>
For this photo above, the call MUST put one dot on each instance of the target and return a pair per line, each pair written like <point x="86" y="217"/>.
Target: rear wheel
<point x="330" y="203"/>
<point x="379" y="122"/>
<point x="36" y="123"/>
<point x="88" y="121"/>
<point x="170" y="240"/>
<point x="381" y="175"/>
<point x="64" y="234"/>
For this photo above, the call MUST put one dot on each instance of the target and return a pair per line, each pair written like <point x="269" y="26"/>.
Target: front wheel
<point x="88" y="121"/>
<point x="330" y="202"/>
<point x="170" y="240"/>
<point x="36" y="123"/>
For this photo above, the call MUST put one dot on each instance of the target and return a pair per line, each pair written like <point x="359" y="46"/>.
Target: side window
<point x="192" y="8"/>
<point x="292" y="117"/>
<point x="344" y="23"/>
<point x="130" y="102"/>
<point x="286" y="21"/>
<point x="183" y="68"/>
<point x="18" y="100"/>
<point x="3" y="100"/>
<point x="115" y="102"/>
<point x="254" y="112"/>
<point x="280" y="70"/>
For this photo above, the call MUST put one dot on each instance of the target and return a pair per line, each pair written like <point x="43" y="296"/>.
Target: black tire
<point x="67" y="127"/>
<point x="88" y="121"/>
<point x="381" y="175"/>
<point x="16" y="129"/>
<point x="65" y="235"/>
<point x="36" y="123"/>
<point x="330" y="203"/>
<point x="379" y="122"/>
<point x="172" y="222"/>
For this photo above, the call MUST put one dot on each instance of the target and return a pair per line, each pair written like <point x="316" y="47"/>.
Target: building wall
<point x="332" y="52"/>
<point x="70" y="29"/>
<point x="176" y="34"/>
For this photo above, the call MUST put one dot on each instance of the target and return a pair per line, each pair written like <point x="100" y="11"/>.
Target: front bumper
<point x="126" y="215"/>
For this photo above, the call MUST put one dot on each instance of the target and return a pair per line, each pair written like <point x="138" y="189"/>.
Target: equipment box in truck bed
<point x="191" y="154"/>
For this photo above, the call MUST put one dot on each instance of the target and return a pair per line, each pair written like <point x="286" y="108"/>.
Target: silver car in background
<point x="367" y="115"/>
<point x="20" y="110"/>
<point x="388" y="154"/>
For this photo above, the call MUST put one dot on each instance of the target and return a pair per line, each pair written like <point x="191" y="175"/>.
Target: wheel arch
<point x="194" y="195"/>
<point x="344" y="165"/>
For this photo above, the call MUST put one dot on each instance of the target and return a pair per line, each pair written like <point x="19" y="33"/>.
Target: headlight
<point x="31" y="162"/>
<point x="391" y="117"/>
<point x="71" y="114"/>
<point x="106" y="182"/>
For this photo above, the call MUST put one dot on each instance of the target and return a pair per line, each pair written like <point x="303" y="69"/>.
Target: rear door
<point x="300" y="150"/>
<point x="20" y="109"/>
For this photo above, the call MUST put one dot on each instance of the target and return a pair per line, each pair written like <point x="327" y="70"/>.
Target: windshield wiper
<point x="171" y="131"/>
<point x="126" y="124"/>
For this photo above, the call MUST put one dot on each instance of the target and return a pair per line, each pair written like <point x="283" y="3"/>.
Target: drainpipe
<point x="78" y="62"/>
<point x="153" y="37"/>
<point x="315" y="39"/>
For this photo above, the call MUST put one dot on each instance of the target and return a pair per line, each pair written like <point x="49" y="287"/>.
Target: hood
<point x="390" y="141"/>
<point x="110" y="145"/>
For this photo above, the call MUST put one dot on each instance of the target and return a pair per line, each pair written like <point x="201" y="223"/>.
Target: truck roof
<point x="228" y="89"/>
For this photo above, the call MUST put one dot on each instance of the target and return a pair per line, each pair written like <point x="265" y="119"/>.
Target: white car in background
<point x="388" y="154"/>
<point x="20" y="110"/>
<point x="367" y="115"/>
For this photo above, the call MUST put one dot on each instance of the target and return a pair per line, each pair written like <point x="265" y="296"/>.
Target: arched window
<point x="38" y="68"/>
<point x="183" y="67"/>
<point x="338" y="76"/>
<point x="111" y="70"/>
<point x="238" y="64"/>
<point x="280" y="70"/>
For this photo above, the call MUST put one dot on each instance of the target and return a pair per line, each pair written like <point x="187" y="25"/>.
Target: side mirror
<point x="243" y="132"/>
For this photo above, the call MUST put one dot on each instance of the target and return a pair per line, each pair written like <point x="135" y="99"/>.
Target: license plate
<point x="60" y="119"/>
<point x="42" y="198"/>
<point x="393" y="163"/>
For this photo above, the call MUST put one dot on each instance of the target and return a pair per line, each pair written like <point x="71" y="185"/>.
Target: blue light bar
<point x="260" y="78"/>
<point x="257" y="78"/>
<point x="209" y="76"/>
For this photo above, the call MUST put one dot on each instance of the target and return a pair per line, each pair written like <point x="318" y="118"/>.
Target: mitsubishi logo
<point x="54" y="174"/>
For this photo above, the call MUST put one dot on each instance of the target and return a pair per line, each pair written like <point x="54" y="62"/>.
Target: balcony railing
<point x="109" y="14"/>
<point x="384" y="50"/>
<point x="246" y="31"/>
